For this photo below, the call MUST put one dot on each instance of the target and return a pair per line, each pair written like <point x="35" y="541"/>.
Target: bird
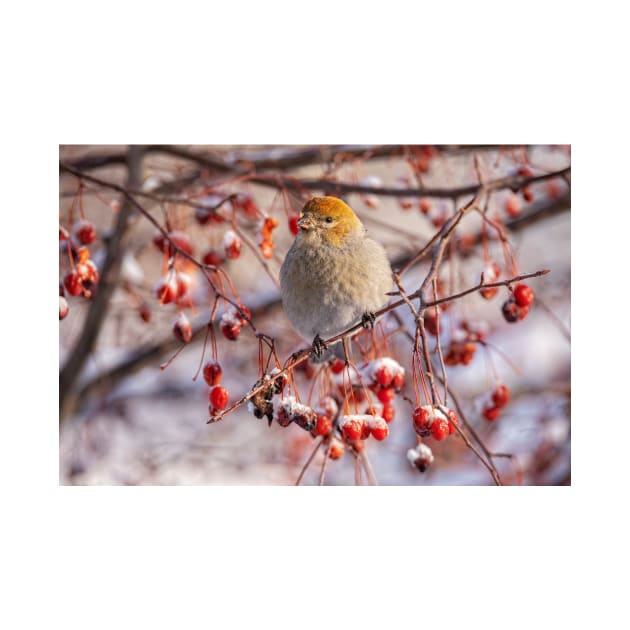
<point x="333" y="276"/>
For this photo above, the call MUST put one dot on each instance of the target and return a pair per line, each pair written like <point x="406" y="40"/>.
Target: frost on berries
<point x="420" y="457"/>
<point x="290" y="410"/>
<point x="231" y="325"/>
<point x="432" y="421"/>
<point x="491" y="273"/>
<point x="182" y="328"/>
<point x="231" y="244"/>
<point x="261" y="403"/>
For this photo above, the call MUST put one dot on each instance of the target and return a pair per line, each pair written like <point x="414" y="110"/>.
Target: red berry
<point x="183" y="281"/>
<point x="398" y="381"/>
<point x="231" y="245"/>
<point x="352" y="427"/>
<point x="388" y="413"/>
<point x="500" y="396"/>
<point x="491" y="413"/>
<point x="145" y="312"/>
<point x="212" y="373"/>
<point x="213" y="257"/>
<point x="512" y="312"/>
<point x="179" y="239"/>
<point x="384" y="376"/>
<point x="73" y="283"/>
<point x="219" y="397"/>
<point x="246" y="204"/>
<point x="525" y="171"/>
<point x="513" y="206"/>
<point x="452" y="416"/>
<point x="336" y="449"/>
<point x="182" y="328"/>
<point x="386" y="395"/>
<point x="439" y="428"/>
<point x="166" y="289"/>
<point x="336" y="367"/>
<point x="528" y="195"/>
<point x="523" y="294"/>
<point x="379" y="429"/>
<point x="293" y="226"/>
<point x="63" y="307"/>
<point x="323" y="426"/>
<point x="422" y="417"/>
<point x="231" y="330"/>
<point x="425" y="205"/>
<point x="85" y="232"/>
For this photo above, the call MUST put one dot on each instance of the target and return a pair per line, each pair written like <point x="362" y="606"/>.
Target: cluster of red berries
<point x="498" y="398"/>
<point x="516" y="307"/>
<point x="429" y="420"/>
<point x="244" y="203"/>
<point x="361" y="426"/>
<point x="218" y="395"/>
<point x="83" y="278"/>
<point x="385" y="377"/>
<point x="173" y="287"/>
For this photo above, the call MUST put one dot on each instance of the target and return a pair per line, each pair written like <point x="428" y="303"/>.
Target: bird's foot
<point x="367" y="320"/>
<point x="319" y="347"/>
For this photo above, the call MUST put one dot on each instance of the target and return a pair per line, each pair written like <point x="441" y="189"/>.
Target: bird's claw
<point x="319" y="346"/>
<point x="367" y="320"/>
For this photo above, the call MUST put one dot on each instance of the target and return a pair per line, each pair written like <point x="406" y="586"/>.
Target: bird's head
<point x="330" y="220"/>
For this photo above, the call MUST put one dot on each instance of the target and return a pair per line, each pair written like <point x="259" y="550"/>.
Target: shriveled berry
<point x="512" y="312"/>
<point x="219" y="397"/>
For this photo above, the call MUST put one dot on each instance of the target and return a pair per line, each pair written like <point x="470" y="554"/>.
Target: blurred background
<point x="124" y="420"/>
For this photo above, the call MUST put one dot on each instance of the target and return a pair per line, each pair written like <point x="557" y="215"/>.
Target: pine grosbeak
<point x="333" y="276"/>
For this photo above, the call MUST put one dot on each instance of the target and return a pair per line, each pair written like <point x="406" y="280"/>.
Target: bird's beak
<point x="305" y="222"/>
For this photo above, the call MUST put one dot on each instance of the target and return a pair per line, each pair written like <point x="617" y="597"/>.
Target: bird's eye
<point x="329" y="219"/>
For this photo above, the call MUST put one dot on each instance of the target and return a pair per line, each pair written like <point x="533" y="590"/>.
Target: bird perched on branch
<point x="333" y="276"/>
